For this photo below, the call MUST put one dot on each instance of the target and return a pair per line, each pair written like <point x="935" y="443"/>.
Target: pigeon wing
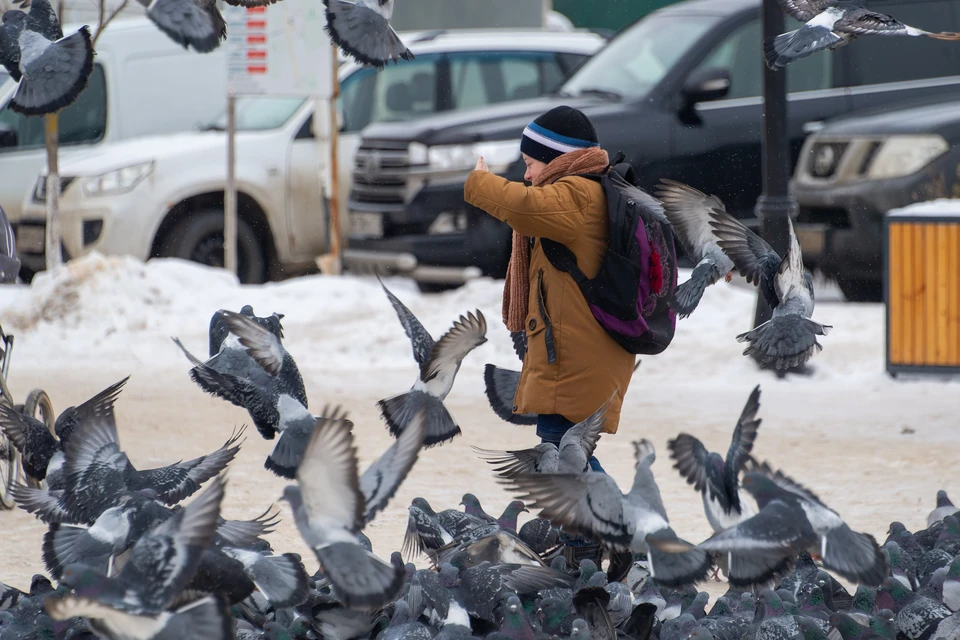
<point x="773" y="530"/>
<point x="53" y="79"/>
<point x="31" y="438"/>
<point x="585" y="434"/>
<point x="862" y="21"/>
<point x="590" y="503"/>
<point x="783" y="480"/>
<point x="243" y="534"/>
<point x="466" y="334"/>
<point x="691" y="459"/>
<point x="10" y="50"/>
<point x="421" y="340"/>
<point x="744" y="435"/>
<point x="751" y="255"/>
<point x="93" y="467"/>
<point x="42" y="18"/>
<point x="99" y="405"/>
<point x="804" y="10"/>
<point x="177" y="481"/>
<point x="186" y="23"/>
<point x="689" y="213"/>
<point x="380" y="481"/>
<point x="165" y="559"/>
<point x="513" y="462"/>
<point x="328" y="477"/>
<point x="262" y="346"/>
<point x="364" y="33"/>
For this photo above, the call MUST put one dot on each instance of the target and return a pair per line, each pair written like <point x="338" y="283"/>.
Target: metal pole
<point x="334" y="196"/>
<point x="53" y="258"/>
<point x="230" y="192"/>
<point x="775" y="202"/>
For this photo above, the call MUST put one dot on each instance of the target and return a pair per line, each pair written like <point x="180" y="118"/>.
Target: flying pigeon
<point x="792" y="519"/>
<point x="361" y="28"/>
<point x="830" y="24"/>
<point x="331" y="503"/>
<point x="576" y="447"/>
<point x="161" y="563"/>
<point x="789" y="338"/>
<point x="189" y="23"/>
<point x="591" y="503"/>
<point x="718" y="480"/>
<point x="220" y="330"/>
<point x="944" y="508"/>
<point x="264" y="379"/>
<point x="52" y="69"/>
<point x="689" y="213"/>
<point x="42" y="452"/>
<point x="439" y="363"/>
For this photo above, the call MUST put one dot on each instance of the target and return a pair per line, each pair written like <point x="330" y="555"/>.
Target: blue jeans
<point x="552" y="426"/>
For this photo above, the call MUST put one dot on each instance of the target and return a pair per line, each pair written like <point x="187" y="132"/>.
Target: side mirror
<point x="705" y="85"/>
<point x="8" y="137"/>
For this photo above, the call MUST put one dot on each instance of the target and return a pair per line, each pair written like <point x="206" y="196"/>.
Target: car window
<point x="739" y="53"/>
<point x="397" y="93"/>
<point x="482" y="78"/>
<point x="876" y="60"/>
<point x="636" y="60"/>
<point x="82" y="122"/>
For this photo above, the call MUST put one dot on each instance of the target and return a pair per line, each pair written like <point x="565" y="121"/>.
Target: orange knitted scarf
<point x="516" y="287"/>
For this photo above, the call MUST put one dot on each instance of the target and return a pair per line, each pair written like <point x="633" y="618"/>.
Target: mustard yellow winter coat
<point x="589" y="365"/>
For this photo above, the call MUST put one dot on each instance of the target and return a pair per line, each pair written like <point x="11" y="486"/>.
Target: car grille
<point x="380" y="172"/>
<point x="825" y="158"/>
<point x="40" y="189"/>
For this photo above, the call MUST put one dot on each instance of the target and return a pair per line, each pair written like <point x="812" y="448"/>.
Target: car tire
<point x="199" y="238"/>
<point x="856" y="290"/>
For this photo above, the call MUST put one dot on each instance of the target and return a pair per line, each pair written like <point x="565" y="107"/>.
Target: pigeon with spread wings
<point x="362" y="29"/>
<point x="439" y="362"/>
<point x="591" y="503"/>
<point x="831" y="24"/>
<point x="789" y="338"/>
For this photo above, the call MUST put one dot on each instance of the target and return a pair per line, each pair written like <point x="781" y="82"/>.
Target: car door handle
<point x="813" y="126"/>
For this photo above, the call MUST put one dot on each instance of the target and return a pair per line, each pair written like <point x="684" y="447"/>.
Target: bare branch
<point x="103" y="22"/>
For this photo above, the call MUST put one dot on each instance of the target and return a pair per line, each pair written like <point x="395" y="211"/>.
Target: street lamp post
<point x="775" y="202"/>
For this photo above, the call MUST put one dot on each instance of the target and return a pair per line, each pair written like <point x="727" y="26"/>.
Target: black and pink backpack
<point x="629" y="296"/>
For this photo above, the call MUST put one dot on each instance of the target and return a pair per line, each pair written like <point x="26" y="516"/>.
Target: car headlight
<point x="498" y="154"/>
<point x="902" y="155"/>
<point x="118" y="180"/>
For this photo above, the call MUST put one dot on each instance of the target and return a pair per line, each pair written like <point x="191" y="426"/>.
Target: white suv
<point x="163" y="195"/>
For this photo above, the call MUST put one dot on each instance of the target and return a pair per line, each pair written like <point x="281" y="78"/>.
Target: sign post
<point x="277" y="50"/>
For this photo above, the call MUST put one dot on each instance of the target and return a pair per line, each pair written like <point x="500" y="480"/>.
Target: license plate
<point x="367" y="225"/>
<point x="30" y="239"/>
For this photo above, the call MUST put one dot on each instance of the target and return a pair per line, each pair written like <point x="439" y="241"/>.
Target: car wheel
<point x="199" y="238"/>
<point x="855" y="290"/>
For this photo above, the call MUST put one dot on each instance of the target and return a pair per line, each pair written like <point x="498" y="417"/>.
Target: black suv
<point x="679" y="92"/>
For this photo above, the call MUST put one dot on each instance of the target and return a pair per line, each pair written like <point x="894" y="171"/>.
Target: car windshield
<point x="637" y="60"/>
<point x="259" y="113"/>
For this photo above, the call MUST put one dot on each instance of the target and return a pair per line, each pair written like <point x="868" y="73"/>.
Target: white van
<point x="142" y="83"/>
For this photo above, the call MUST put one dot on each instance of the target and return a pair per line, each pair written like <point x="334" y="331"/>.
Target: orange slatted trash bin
<point x="922" y="288"/>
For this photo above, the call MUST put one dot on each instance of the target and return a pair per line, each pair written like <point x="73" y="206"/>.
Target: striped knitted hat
<point x="558" y="131"/>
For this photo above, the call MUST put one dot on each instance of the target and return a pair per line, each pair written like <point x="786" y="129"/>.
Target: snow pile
<point x="939" y="207"/>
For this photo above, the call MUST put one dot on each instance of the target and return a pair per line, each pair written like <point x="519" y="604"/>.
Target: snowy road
<point x="873" y="448"/>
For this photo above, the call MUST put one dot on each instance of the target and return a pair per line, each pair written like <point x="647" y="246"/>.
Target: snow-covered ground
<point x="874" y="448"/>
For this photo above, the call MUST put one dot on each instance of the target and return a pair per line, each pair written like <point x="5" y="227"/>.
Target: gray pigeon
<point x="189" y="23"/>
<point x="718" y="480"/>
<point x="689" y="213"/>
<point x="51" y="69"/>
<point x="789" y="338"/>
<point x="944" y="508"/>
<point x="161" y="563"/>
<point x="830" y="24"/>
<point x="500" y="385"/>
<point x="576" y="447"/>
<point x="792" y="519"/>
<point x="220" y="330"/>
<point x="330" y="506"/>
<point x="270" y="388"/>
<point x="362" y="29"/>
<point x="591" y="504"/>
<point x="439" y="363"/>
<point x="206" y="618"/>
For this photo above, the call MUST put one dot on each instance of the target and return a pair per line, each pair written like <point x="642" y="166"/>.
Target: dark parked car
<point x="856" y="169"/>
<point x="678" y="92"/>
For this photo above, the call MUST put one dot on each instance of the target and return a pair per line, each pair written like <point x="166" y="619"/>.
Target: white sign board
<point x="280" y="49"/>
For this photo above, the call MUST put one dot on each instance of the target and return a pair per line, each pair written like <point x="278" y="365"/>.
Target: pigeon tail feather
<point x="855" y="556"/>
<point x="287" y="454"/>
<point x="57" y="77"/>
<point x="674" y="562"/>
<point x="363" y="33"/>
<point x="785" y="341"/>
<point x="281" y="579"/>
<point x="400" y="410"/>
<point x="360" y="579"/>
<point x="500" y="386"/>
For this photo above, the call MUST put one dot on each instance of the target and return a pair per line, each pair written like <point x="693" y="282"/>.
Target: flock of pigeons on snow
<point x="52" y="69"/>
<point x="131" y="563"/>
